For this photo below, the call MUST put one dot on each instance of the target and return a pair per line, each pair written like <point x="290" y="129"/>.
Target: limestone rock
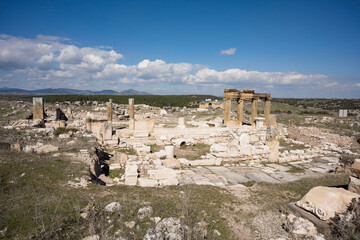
<point x="47" y="148"/>
<point x="169" y="181"/>
<point x="168" y="228"/>
<point x="325" y="202"/>
<point x="131" y="174"/>
<point x="145" y="212"/>
<point x="301" y="226"/>
<point x="274" y="151"/>
<point x="161" y="154"/>
<point x="354" y="185"/>
<point x="169" y="152"/>
<point x="146" y="182"/>
<point x="162" y="173"/>
<point x="64" y="135"/>
<point x="113" y="207"/>
<point x="172" y="163"/>
<point x="216" y="148"/>
<point x="92" y="237"/>
<point x="355" y="168"/>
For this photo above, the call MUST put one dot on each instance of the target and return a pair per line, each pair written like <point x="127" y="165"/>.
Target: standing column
<point x="131" y="114"/>
<point x="240" y="109"/>
<point x="38" y="108"/>
<point x="253" y="111"/>
<point x="109" y="111"/>
<point x="227" y="110"/>
<point x="267" y="111"/>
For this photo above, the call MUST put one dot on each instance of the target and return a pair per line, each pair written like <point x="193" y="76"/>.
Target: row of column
<point x="240" y="110"/>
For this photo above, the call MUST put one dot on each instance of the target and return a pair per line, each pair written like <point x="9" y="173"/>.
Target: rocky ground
<point x="47" y="192"/>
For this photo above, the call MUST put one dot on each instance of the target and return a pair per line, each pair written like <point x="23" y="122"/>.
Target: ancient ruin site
<point x="241" y="166"/>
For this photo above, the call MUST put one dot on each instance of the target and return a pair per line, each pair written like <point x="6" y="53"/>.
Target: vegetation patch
<point x="61" y="130"/>
<point x="36" y="202"/>
<point x="192" y="152"/>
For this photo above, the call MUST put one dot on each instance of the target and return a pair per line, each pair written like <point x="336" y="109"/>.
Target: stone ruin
<point x="229" y="144"/>
<point x="211" y="104"/>
<point x="240" y="95"/>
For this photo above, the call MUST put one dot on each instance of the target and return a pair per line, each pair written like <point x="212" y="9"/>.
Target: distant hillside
<point x="65" y="91"/>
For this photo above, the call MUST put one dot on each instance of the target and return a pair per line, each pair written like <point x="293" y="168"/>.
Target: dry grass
<point x="192" y="152"/>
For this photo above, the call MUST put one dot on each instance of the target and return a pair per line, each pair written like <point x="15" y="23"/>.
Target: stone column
<point x="267" y="111"/>
<point x="181" y="123"/>
<point x="131" y="114"/>
<point x="253" y="111"/>
<point x="240" y="109"/>
<point x="169" y="152"/>
<point x="38" y="108"/>
<point x="227" y="110"/>
<point x="109" y="111"/>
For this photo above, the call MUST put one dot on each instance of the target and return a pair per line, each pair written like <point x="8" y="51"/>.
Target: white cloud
<point x="358" y="84"/>
<point x="230" y="51"/>
<point x="50" y="59"/>
<point x="207" y="75"/>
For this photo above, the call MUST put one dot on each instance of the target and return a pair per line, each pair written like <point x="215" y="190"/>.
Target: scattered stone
<point x="46" y="149"/>
<point x="130" y="224"/>
<point x="92" y="237"/>
<point x="64" y="135"/>
<point x="168" y="228"/>
<point x="113" y="207"/>
<point x="145" y="212"/>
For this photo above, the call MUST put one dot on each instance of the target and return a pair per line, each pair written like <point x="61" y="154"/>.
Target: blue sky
<point x="287" y="48"/>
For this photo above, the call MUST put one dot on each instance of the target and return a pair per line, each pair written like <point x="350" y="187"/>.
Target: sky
<point x="283" y="47"/>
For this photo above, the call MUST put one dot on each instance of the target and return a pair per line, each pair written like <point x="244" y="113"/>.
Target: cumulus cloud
<point x="53" y="60"/>
<point x="207" y="75"/>
<point x="230" y="51"/>
<point x="358" y="84"/>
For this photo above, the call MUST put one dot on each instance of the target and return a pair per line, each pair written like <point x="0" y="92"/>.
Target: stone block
<point x="274" y="151"/>
<point x="244" y="139"/>
<point x="172" y="163"/>
<point x="146" y="182"/>
<point x="169" y="181"/>
<point x="261" y="177"/>
<point x="260" y="150"/>
<point x="181" y="123"/>
<point x="354" y="185"/>
<point x="38" y="108"/>
<point x="107" y="131"/>
<point x="143" y="149"/>
<point x="64" y="135"/>
<point x="246" y="150"/>
<point x="131" y="180"/>
<point x="355" y="168"/>
<point x="325" y="202"/>
<point x="161" y="154"/>
<point x="216" y="148"/>
<point x="169" y="151"/>
<point x="141" y="133"/>
<point x="204" y="162"/>
<point x="162" y="173"/>
<point x="145" y="125"/>
<point x="114" y="166"/>
<point x="254" y="138"/>
<point x="259" y="122"/>
<point x="47" y="148"/>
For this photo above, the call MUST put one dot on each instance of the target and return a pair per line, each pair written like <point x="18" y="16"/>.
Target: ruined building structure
<point x="240" y="95"/>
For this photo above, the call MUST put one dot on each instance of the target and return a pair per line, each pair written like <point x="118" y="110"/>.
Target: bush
<point x="62" y="130"/>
